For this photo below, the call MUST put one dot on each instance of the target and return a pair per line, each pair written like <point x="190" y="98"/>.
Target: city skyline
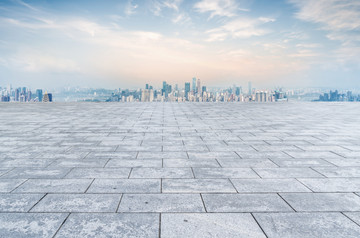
<point x="288" y="43"/>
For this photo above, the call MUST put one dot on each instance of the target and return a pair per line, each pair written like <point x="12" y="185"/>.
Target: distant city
<point x="192" y="91"/>
<point x="335" y="96"/>
<point x="23" y="94"/>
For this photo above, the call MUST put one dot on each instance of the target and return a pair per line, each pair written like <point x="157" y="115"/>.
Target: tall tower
<point x="250" y="89"/>
<point x="194" y="84"/>
<point x="198" y="86"/>
<point x="187" y="90"/>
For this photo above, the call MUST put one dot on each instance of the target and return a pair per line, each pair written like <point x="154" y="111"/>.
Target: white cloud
<point x="223" y="8"/>
<point x="130" y="8"/>
<point x="158" y="6"/>
<point x="334" y="15"/>
<point x="172" y="4"/>
<point x="239" y="28"/>
<point x="181" y="18"/>
<point x="36" y="61"/>
<point x="341" y="18"/>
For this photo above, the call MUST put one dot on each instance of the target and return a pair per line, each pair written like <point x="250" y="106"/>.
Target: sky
<point x="128" y="43"/>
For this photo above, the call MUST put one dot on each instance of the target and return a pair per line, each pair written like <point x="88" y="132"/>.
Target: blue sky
<point x="291" y="43"/>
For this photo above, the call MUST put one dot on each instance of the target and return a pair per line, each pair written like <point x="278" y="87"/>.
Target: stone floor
<point x="180" y="170"/>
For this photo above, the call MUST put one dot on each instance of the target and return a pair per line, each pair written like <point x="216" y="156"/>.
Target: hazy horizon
<point x="291" y="43"/>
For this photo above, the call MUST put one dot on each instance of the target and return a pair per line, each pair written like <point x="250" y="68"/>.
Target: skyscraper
<point x="194" y="84"/>
<point x="198" y="86"/>
<point x="47" y="97"/>
<point x="250" y="89"/>
<point x="39" y="94"/>
<point x="187" y="90"/>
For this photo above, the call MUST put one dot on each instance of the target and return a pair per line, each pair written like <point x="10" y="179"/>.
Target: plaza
<point x="286" y="169"/>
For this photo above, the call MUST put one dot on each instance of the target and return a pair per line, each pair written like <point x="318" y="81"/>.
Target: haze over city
<point x="294" y="43"/>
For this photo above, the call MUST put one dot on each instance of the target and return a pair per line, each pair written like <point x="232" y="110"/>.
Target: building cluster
<point x="23" y="94"/>
<point x="194" y="91"/>
<point x="335" y="96"/>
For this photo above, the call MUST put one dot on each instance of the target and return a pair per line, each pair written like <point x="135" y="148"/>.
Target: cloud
<point x="223" y="8"/>
<point x="158" y="6"/>
<point x="172" y="4"/>
<point x="181" y="18"/>
<point x="341" y="19"/>
<point x="130" y="8"/>
<point x="239" y="28"/>
<point x="26" y="5"/>
<point x="37" y="61"/>
<point x="333" y="15"/>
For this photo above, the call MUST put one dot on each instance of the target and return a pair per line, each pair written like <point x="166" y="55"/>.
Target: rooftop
<point x="180" y="170"/>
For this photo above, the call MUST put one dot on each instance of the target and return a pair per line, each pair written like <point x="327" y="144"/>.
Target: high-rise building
<point x="203" y="89"/>
<point x="47" y="97"/>
<point x="17" y="94"/>
<point x="147" y="86"/>
<point x="147" y="95"/>
<point x="187" y="90"/>
<point x="39" y="94"/>
<point x="194" y="84"/>
<point x="198" y="87"/>
<point x="250" y="89"/>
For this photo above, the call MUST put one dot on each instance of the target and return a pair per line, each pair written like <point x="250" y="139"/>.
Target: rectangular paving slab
<point x="268" y="185"/>
<point x="186" y="225"/>
<point x="18" y="202"/>
<point x="245" y="203"/>
<point x="125" y="186"/>
<point x="54" y="186"/>
<point x="78" y="203"/>
<point x="307" y="225"/>
<point x="197" y="186"/>
<point x="110" y="225"/>
<point x="161" y="203"/>
<point x="30" y="225"/>
<point x="322" y="202"/>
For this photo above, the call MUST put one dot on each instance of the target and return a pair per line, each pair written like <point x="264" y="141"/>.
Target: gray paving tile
<point x="304" y="162"/>
<point x="268" y="185"/>
<point x="313" y="154"/>
<point x="161" y="173"/>
<point x="54" y="186"/>
<point x="161" y="203"/>
<point x="336" y="172"/>
<point x="322" y="202"/>
<point x="212" y="155"/>
<point x="354" y="216"/>
<point x="22" y="162"/>
<point x="18" y="202"/>
<point x="344" y="161"/>
<point x="30" y="225"/>
<point x="4" y="171"/>
<point x="209" y="225"/>
<point x="99" y="173"/>
<point x="197" y="186"/>
<point x="125" y="186"/>
<point x="134" y="163"/>
<point x="78" y="203"/>
<point x="332" y="184"/>
<point x="247" y="163"/>
<point x="110" y="225"/>
<point x="224" y="173"/>
<point x="28" y="173"/>
<point x="183" y="163"/>
<point x="245" y="203"/>
<point x="287" y="173"/>
<point x="7" y="185"/>
<point x="162" y="155"/>
<point x="78" y="163"/>
<point x="307" y="225"/>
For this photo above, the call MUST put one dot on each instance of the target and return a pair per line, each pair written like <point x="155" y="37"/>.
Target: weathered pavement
<point x="180" y="170"/>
